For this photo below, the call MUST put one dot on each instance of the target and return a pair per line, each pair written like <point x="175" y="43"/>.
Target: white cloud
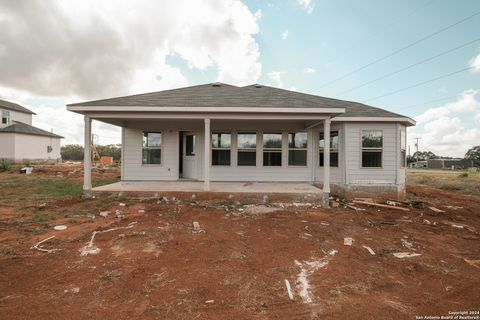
<point x="276" y="77"/>
<point x="284" y="35"/>
<point x="474" y="63"/>
<point x="444" y="131"/>
<point x="94" y="48"/>
<point x="309" y="70"/>
<point x="307" y="5"/>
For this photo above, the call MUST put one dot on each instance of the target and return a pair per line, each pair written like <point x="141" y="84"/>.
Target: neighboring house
<point x="20" y="141"/>
<point x="220" y="132"/>
<point x="444" y="163"/>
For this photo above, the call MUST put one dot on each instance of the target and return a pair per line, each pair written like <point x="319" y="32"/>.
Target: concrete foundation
<point x="255" y="192"/>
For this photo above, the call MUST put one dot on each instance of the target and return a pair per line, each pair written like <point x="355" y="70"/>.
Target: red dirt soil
<point x="160" y="269"/>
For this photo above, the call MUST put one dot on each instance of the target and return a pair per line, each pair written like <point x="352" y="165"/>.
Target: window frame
<point x="153" y="148"/>
<point x="8" y="117"/>
<point x="297" y="149"/>
<point x="370" y="149"/>
<point x="239" y="149"/>
<point x="194" y="145"/>
<point x="403" y="148"/>
<point x="272" y="149"/>
<point x="212" y="148"/>
<point x="322" y="149"/>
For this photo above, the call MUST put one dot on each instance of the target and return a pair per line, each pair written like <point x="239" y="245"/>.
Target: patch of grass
<point x="467" y="183"/>
<point x="111" y="275"/>
<point x="7" y="251"/>
<point x="41" y="217"/>
<point x="4" y="165"/>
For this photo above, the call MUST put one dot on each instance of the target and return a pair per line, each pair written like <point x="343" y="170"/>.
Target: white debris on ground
<point x="306" y="269"/>
<point x="347" y="241"/>
<point x="92" y="249"/>
<point x="402" y="255"/>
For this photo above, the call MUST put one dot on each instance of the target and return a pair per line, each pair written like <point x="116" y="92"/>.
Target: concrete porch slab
<point x="216" y="187"/>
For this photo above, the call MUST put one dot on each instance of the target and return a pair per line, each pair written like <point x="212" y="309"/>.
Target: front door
<point x="189" y="156"/>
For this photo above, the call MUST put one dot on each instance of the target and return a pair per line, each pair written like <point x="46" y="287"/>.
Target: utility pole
<point x="416" y="146"/>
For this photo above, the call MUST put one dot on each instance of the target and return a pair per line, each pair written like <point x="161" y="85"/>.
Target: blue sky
<point x="294" y="44"/>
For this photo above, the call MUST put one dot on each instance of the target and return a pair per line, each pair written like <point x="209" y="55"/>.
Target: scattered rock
<point x="141" y="211"/>
<point x="60" y="228"/>
<point x="104" y="213"/>
<point x="121" y="204"/>
<point x="436" y="210"/>
<point x="209" y="301"/>
<point x="119" y="214"/>
<point x="347" y="241"/>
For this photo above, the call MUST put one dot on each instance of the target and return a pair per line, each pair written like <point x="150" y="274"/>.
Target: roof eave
<point x="405" y="120"/>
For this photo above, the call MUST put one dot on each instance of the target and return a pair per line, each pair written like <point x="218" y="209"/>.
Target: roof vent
<point x="257" y="85"/>
<point x="216" y="84"/>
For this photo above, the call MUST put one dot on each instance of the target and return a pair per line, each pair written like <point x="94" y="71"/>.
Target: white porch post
<point x="206" y="171"/>
<point x="87" y="158"/>
<point x="326" y="156"/>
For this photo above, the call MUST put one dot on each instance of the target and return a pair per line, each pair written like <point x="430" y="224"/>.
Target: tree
<point x="473" y="155"/>
<point x="424" y="156"/>
<point x="72" y="152"/>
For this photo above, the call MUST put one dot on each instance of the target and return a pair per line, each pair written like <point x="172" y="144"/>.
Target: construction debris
<point x="60" y="228"/>
<point x="402" y="255"/>
<point x="209" y="301"/>
<point x="347" y="241"/>
<point x="436" y="210"/>
<point x="380" y="205"/>
<point x="119" y="214"/>
<point x="121" y="204"/>
<point x="369" y="250"/>
<point x="196" y="227"/>
<point x="474" y="263"/>
<point x="289" y="289"/>
<point x="37" y="246"/>
<point x="353" y="207"/>
<point x="26" y="170"/>
<point x="91" y="249"/>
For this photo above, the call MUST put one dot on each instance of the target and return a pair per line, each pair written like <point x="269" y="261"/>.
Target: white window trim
<point x="238" y="149"/>
<point x="272" y="149"/>
<point x="362" y="148"/>
<point x="296" y="149"/>
<point x="216" y="148"/>
<point x="161" y="149"/>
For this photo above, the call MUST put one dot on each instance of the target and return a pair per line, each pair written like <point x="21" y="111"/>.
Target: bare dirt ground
<point x="158" y="267"/>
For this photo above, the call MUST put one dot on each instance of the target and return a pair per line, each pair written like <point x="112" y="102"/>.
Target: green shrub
<point x="4" y="165"/>
<point x="463" y="175"/>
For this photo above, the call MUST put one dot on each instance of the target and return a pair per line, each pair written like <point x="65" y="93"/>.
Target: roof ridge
<point x="152" y="92"/>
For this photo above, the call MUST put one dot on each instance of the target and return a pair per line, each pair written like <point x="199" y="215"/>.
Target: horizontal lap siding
<point x="133" y="169"/>
<point x="358" y="175"/>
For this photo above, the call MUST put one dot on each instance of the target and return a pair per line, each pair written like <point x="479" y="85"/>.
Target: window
<point x="372" y="143"/>
<point x="247" y="149"/>
<point x="5" y="117"/>
<point x="297" y="149"/>
<point x="152" y="148"/>
<point x="272" y="149"/>
<point x="403" y="147"/>
<point x="221" y="143"/>
<point x="333" y="148"/>
<point x="190" y="145"/>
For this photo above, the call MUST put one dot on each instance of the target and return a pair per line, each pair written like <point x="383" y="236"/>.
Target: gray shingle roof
<point x="20" y="127"/>
<point x="252" y="96"/>
<point x="13" y="106"/>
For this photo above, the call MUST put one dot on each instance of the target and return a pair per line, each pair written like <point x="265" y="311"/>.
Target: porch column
<point x="87" y="158"/>
<point x="206" y="170"/>
<point x="326" y="156"/>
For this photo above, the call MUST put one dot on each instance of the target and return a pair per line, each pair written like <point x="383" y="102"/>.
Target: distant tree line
<point x="74" y="152"/>
<point x="472" y="157"/>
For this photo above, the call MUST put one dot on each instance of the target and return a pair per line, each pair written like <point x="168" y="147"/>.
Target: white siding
<point x="348" y="171"/>
<point x="31" y="147"/>
<point x="355" y="174"/>
<point x="7" y="146"/>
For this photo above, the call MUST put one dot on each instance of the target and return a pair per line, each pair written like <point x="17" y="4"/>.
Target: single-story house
<point x="219" y="132"/>
<point x="20" y="141"/>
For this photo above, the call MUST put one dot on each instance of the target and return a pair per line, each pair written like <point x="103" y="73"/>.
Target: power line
<point x="428" y="102"/>
<point x="399" y="50"/>
<point x="380" y="31"/>
<point x="420" y="83"/>
<point x="409" y="66"/>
